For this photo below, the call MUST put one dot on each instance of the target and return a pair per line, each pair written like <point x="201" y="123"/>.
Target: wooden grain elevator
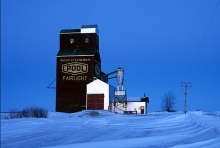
<point x="78" y="63"/>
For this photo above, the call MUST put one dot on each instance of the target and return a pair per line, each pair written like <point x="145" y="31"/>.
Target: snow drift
<point x="106" y="129"/>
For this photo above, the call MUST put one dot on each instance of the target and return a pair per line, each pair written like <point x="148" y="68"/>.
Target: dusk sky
<point x="158" y="43"/>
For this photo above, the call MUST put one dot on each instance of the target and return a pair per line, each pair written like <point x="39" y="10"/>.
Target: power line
<point x="205" y="69"/>
<point x="202" y="41"/>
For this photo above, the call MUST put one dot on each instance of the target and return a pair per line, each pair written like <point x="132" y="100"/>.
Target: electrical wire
<point x="190" y="67"/>
<point x="205" y="69"/>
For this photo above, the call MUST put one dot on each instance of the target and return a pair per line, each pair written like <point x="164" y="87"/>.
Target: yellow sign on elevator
<point x="75" y="68"/>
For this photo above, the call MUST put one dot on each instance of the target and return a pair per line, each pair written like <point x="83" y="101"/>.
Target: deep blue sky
<point x="158" y="43"/>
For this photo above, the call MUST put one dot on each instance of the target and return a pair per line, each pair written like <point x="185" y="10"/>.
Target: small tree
<point x="168" y="101"/>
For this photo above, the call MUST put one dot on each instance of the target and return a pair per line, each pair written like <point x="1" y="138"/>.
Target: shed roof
<point x="67" y="31"/>
<point x="135" y="99"/>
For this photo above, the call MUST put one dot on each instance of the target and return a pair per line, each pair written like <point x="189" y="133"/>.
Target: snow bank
<point x="106" y="129"/>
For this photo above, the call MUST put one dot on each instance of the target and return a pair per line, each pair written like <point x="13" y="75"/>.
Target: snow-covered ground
<point x="103" y="129"/>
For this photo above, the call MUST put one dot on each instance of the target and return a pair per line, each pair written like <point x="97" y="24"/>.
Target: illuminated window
<point x="86" y="40"/>
<point x="71" y="41"/>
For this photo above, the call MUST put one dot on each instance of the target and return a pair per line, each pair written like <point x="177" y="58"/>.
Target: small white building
<point x="134" y="105"/>
<point x="98" y="95"/>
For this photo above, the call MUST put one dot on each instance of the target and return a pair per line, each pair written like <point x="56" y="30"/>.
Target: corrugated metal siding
<point x="111" y="94"/>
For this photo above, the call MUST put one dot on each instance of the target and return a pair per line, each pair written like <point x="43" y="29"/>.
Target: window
<point x="71" y="41"/>
<point x="86" y="40"/>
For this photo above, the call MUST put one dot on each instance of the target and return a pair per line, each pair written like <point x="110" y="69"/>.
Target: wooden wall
<point x="71" y="87"/>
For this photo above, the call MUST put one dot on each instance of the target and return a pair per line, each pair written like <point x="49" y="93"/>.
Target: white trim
<point x="89" y="30"/>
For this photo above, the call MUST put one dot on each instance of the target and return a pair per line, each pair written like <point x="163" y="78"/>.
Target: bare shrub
<point x="36" y="112"/>
<point x="4" y="116"/>
<point x="25" y="112"/>
<point x="13" y="113"/>
<point x="19" y="115"/>
<point x="43" y="113"/>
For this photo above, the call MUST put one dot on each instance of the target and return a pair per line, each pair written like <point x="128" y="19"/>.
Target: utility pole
<point x="185" y="91"/>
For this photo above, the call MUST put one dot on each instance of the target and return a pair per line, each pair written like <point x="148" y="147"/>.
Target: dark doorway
<point x="142" y="109"/>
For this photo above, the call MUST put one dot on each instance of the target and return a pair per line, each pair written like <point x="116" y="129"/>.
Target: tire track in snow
<point x="161" y="130"/>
